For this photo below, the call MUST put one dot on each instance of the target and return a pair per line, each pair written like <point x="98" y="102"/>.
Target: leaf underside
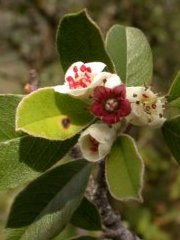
<point x="131" y="55"/>
<point x="124" y="170"/>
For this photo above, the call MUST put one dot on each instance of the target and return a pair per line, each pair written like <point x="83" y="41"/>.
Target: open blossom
<point x="110" y="104"/>
<point x="81" y="78"/>
<point x="147" y="107"/>
<point x="96" y="141"/>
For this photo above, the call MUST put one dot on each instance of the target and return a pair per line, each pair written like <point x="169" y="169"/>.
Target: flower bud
<point x="96" y="141"/>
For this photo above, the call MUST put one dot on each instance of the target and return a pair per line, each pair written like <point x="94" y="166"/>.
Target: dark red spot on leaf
<point x="66" y="122"/>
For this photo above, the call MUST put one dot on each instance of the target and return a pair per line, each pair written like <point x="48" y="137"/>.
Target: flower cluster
<point x="109" y="101"/>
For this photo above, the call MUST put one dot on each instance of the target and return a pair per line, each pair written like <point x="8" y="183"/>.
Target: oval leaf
<point x="171" y="133"/>
<point x="79" y="39"/>
<point x="131" y="55"/>
<point x="48" y="202"/>
<point x="124" y="170"/>
<point x="51" y="115"/>
<point x="87" y="216"/>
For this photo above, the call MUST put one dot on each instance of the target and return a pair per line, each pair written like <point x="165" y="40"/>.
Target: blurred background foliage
<point x="27" y="41"/>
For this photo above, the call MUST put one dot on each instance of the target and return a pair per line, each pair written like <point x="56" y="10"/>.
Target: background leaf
<point x="8" y="104"/>
<point x="79" y="39"/>
<point x="87" y="216"/>
<point x="174" y="92"/>
<point x="48" y="202"/>
<point x="173" y="107"/>
<point x="131" y="55"/>
<point x="124" y="170"/>
<point x="171" y="133"/>
<point x="51" y="115"/>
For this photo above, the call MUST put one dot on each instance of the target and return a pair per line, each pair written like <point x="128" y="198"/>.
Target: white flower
<point x="80" y="78"/>
<point x="147" y="107"/>
<point x="96" y="141"/>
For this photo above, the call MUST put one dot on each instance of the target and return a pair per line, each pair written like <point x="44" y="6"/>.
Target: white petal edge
<point x="96" y="67"/>
<point x="102" y="133"/>
<point x="113" y="80"/>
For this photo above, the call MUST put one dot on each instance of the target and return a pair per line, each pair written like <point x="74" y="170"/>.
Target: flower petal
<point x="96" y="67"/>
<point x="125" y="108"/>
<point x="62" y="88"/>
<point x="70" y="71"/>
<point x="112" y="81"/>
<point x="102" y="132"/>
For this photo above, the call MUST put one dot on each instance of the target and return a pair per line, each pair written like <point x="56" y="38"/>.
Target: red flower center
<point x="94" y="144"/>
<point x="110" y="105"/>
<point x="81" y="77"/>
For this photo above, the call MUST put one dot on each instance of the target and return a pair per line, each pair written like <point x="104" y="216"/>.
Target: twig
<point x="113" y="227"/>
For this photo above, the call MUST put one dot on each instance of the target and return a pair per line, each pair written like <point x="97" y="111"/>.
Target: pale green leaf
<point x="131" y="55"/>
<point x="45" y="206"/>
<point x="124" y="170"/>
<point x="79" y="39"/>
<point x="51" y="115"/>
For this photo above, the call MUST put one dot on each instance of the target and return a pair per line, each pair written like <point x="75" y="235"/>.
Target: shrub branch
<point x="113" y="226"/>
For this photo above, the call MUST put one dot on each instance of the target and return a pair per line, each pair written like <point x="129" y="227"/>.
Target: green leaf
<point x="51" y="115"/>
<point x="44" y="208"/>
<point x="124" y="170"/>
<point x="175" y="103"/>
<point x="24" y="158"/>
<point x="171" y="133"/>
<point x="174" y="92"/>
<point x="131" y="55"/>
<point x="68" y="232"/>
<point x="87" y="216"/>
<point x="79" y="39"/>
<point x="8" y="104"/>
<point x="173" y="108"/>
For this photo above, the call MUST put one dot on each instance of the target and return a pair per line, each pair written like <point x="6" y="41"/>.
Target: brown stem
<point x="113" y="227"/>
